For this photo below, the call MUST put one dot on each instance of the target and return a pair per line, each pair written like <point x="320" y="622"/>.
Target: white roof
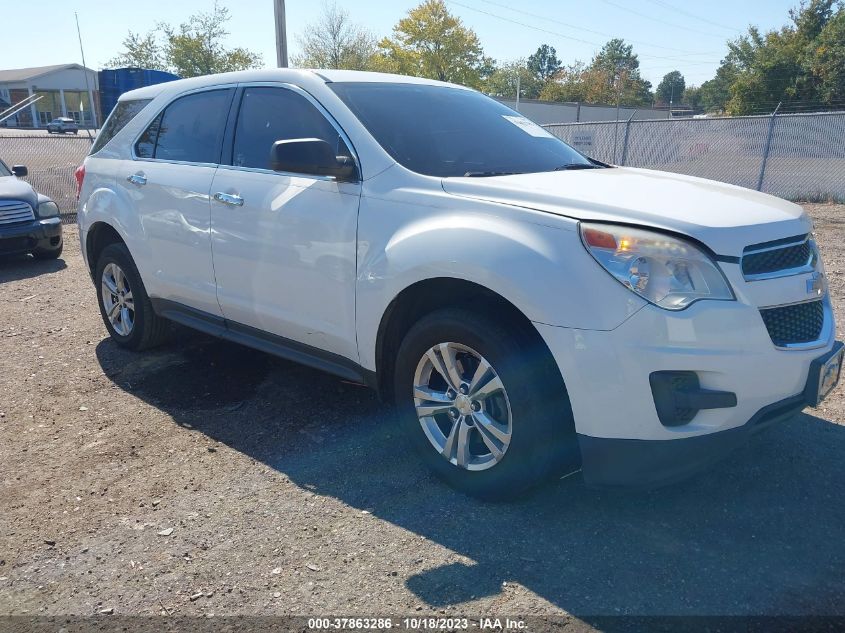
<point x="16" y="75"/>
<point x="294" y="75"/>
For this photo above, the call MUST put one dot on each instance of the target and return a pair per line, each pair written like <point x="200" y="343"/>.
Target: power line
<point x="569" y="37"/>
<point x="654" y="19"/>
<point x="583" y="28"/>
<point x="694" y="16"/>
<point x="529" y="26"/>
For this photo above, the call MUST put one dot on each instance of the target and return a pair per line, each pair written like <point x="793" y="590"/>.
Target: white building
<point x="64" y="90"/>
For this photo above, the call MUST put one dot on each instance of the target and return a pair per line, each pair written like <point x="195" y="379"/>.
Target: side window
<point x="122" y="114"/>
<point x="268" y="115"/>
<point x="190" y="129"/>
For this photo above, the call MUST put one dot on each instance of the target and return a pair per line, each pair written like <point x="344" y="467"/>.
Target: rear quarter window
<point x="122" y="114"/>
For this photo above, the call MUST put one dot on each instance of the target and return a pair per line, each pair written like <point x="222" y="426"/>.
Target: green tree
<point x="714" y="94"/>
<point x="568" y="84"/>
<point x="544" y="63"/>
<point x="615" y="73"/>
<point x="827" y="60"/>
<point x="193" y="48"/>
<point x="796" y="65"/>
<point x="431" y="42"/>
<point x="140" y="51"/>
<point x="692" y="97"/>
<point x="196" y="47"/>
<point x="334" y="41"/>
<point x="671" y="89"/>
<point x="503" y="81"/>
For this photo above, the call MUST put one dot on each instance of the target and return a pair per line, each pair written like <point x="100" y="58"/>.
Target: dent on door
<point x="285" y="258"/>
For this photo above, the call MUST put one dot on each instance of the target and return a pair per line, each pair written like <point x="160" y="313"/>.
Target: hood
<point x="724" y="217"/>
<point x="13" y="189"/>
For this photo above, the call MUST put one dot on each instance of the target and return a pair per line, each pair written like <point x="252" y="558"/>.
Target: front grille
<point x="768" y="258"/>
<point x="798" y="323"/>
<point x="14" y="211"/>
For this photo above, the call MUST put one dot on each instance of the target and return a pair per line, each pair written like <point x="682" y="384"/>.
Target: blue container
<point x="114" y="83"/>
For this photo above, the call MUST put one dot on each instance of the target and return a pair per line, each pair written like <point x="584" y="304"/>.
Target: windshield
<point x="4" y="171"/>
<point x="442" y="131"/>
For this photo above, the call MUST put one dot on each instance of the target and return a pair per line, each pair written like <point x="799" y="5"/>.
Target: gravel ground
<point x="206" y="478"/>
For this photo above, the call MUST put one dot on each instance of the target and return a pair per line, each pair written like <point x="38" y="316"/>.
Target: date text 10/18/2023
<point x="418" y="623"/>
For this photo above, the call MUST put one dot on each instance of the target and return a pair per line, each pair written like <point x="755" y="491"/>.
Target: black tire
<point x="543" y="442"/>
<point x="149" y="329"/>
<point x="52" y="253"/>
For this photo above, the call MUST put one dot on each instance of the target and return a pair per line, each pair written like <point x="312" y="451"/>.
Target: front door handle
<point x="137" y="179"/>
<point x="228" y="198"/>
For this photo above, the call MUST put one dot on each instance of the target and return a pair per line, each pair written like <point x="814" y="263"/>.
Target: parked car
<point x="530" y="310"/>
<point x="29" y="221"/>
<point x="62" y="125"/>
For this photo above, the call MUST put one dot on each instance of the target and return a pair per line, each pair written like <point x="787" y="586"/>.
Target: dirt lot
<point x="205" y="478"/>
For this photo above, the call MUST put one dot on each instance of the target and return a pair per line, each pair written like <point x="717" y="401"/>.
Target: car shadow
<point x="20" y="267"/>
<point x="760" y="533"/>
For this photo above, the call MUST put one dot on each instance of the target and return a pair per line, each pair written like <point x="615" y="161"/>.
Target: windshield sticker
<point x="529" y="127"/>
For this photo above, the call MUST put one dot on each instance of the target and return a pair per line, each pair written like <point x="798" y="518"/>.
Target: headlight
<point x="48" y="209"/>
<point x="663" y="270"/>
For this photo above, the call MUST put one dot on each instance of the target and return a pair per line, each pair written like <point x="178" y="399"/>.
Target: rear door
<point x="170" y="178"/>
<point x="284" y="244"/>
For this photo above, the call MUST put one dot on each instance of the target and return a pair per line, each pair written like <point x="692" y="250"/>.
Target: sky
<point x="666" y="34"/>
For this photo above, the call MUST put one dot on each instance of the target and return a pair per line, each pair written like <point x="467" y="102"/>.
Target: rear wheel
<point x="482" y="405"/>
<point x="124" y="304"/>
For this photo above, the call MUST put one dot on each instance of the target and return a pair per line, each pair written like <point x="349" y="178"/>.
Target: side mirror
<point x="20" y="171"/>
<point x="311" y="156"/>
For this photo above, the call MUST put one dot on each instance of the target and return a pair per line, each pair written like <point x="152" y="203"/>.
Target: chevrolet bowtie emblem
<point x="816" y="285"/>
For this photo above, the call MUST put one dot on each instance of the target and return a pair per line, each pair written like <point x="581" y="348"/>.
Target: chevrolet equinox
<point x="531" y="311"/>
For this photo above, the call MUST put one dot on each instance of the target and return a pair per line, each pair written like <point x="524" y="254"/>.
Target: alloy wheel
<point x="118" y="302"/>
<point x="462" y="406"/>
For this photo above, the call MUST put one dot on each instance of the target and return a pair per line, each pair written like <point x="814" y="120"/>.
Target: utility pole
<point x="87" y="86"/>
<point x="671" y="97"/>
<point x="619" y="75"/>
<point x="517" y="91"/>
<point x="281" y="34"/>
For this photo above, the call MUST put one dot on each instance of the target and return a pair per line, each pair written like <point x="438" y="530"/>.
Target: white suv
<point x="530" y="310"/>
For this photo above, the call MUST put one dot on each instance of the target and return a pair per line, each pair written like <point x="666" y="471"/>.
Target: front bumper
<point x="26" y="237"/>
<point x="617" y="463"/>
<point x="622" y="440"/>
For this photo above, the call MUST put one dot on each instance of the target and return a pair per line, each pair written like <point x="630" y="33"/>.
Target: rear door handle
<point x="228" y="198"/>
<point x="137" y="179"/>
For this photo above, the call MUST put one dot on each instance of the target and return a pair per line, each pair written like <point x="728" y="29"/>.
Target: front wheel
<point x="483" y="404"/>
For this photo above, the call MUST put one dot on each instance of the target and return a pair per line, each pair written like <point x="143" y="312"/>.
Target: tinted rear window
<point x="122" y="114"/>
<point x="190" y="129"/>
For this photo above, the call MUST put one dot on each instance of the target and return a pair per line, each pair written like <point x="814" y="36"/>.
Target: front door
<point x="284" y="245"/>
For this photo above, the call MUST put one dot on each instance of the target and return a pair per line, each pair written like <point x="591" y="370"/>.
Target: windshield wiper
<point x="486" y="174"/>
<point x="573" y="166"/>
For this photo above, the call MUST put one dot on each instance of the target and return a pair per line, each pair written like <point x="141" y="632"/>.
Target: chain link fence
<point x="51" y="161"/>
<point x="794" y="156"/>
